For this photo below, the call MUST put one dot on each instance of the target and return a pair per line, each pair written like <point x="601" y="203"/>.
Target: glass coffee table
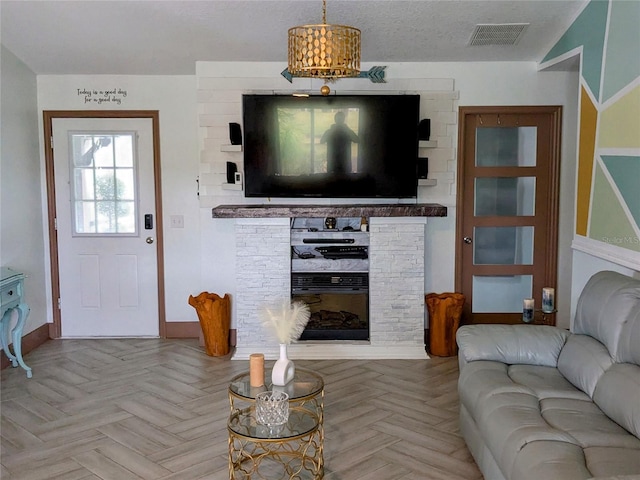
<point x="290" y="451"/>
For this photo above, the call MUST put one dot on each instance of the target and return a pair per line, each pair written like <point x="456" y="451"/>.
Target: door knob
<point x="467" y="240"/>
<point x="149" y="240"/>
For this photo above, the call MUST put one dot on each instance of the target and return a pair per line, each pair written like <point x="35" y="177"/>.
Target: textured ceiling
<point x="164" y="37"/>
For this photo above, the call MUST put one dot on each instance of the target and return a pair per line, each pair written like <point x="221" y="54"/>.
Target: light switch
<point x="177" y="221"/>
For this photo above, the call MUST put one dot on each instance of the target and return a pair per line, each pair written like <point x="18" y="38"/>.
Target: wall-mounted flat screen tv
<point x="342" y="146"/>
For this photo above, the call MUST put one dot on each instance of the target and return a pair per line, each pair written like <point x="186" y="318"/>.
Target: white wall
<point x="175" y="99"/>
<point x="584" y="266"/>
<point x="21" y="222"/>
<point x="489" y="83"/>
<point x="188" y="251"/>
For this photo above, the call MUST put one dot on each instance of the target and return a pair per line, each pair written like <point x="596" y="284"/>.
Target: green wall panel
<point x="588" y="30"/>
<point x="622" y="62"/>
<point x="609" y="223"/>
<point x="625" y="172"/>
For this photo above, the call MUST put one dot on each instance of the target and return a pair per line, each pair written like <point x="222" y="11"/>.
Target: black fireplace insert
<point x="339" y="304"/>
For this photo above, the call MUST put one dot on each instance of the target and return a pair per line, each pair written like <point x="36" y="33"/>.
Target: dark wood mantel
<point x="353" y="210"/>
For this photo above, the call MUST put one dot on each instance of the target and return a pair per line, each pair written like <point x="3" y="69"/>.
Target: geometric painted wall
<point x="606" y="35"/>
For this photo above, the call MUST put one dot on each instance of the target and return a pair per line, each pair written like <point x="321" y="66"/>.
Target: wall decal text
<point x="115" y="95"/>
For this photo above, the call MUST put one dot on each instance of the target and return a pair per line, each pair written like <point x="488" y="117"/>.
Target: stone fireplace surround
<point x="396" y="277"/>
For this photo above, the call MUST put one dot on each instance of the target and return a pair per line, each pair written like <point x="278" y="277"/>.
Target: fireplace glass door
<point x="336" y="316"/>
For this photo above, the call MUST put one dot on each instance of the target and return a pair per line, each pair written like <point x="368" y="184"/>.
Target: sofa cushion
<point x="545" y="382"/>
<point x="481" y="379"/>
<point x="557" y="460"/>
<point x="607" y="302"/>
<point x="629" y="344"/>
<point x="609" y="461"/>
<point x="583" y="361"/>
<point x="550" y="460"/>
<point x="585" y="422"/>
<point x="509" y="421"/>
<point x="618" y="396"/>
<point x="506" y="413"/>
<point x="512" y="344"/>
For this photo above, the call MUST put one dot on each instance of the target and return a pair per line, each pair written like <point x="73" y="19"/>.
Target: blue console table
<point x="11" y="293"/>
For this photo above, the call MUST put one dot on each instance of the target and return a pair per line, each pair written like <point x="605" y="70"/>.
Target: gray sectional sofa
<point x="538" y="402"/>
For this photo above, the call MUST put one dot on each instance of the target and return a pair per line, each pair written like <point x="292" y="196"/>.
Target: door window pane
<point x="505" y="196"/>
<point x="104" y="184"/>
<point x="85" y="217"/>
<point x="502" y="294"/>
<point x="506" y="146"/>
<point x="123" y="150"/>
<point x="503" y="245"/>
<point x="124" y="184"/>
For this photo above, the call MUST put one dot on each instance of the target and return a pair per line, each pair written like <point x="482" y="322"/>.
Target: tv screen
<point x="358" y="146"/>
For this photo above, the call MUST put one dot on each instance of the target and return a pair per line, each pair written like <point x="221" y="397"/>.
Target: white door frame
<point x="55" y="328"/>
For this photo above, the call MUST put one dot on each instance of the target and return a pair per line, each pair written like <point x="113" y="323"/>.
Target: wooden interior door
<point x="506" y="232"/>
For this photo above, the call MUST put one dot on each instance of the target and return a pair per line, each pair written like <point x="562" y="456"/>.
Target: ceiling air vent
<point x="498" y="34"/>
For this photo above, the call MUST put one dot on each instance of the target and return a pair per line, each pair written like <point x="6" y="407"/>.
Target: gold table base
<point x="292" y="458"/>
<point x="293" y="451"/>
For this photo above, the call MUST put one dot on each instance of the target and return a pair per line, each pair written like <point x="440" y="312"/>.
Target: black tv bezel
<point x="405" y="187"/>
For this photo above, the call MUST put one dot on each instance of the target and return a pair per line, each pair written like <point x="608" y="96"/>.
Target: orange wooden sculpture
<point x="214" y="313"/>
<point x="445" y="310"/>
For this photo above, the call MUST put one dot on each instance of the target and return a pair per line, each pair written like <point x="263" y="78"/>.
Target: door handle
<point x="149" y="240"/>
<point x="467" y="240"/>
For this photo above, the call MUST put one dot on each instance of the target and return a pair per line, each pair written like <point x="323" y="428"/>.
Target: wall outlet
<point x="238" y="177"/>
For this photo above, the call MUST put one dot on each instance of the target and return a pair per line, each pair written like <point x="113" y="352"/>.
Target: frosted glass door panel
<point x="506" y="146"/>
<point x="500" y="294"/>
<point x="503" y="246"/>
<point x="505" y="196"/>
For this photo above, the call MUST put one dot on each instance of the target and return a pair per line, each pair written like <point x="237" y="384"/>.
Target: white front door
<point x="106" y="227"/>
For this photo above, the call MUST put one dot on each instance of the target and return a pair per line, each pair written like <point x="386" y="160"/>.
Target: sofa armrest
<point x="512" y="344"/>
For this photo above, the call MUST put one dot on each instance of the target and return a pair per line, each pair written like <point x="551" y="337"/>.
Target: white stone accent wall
<point x="396" y="289"/>
<point x="263" y="274"/>
<point x="442" y="109"/>
<point x="396" y="281"/>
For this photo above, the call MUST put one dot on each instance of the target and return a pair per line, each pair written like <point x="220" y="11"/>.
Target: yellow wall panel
<point x="620" y="123"/>
<point x="586" y="146"/>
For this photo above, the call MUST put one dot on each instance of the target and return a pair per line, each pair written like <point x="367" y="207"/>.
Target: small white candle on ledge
<point x="548" y="300"/>
<point x="527" y="310"/>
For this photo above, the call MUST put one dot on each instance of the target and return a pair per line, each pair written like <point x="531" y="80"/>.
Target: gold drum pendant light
<point x="324" y="51"/>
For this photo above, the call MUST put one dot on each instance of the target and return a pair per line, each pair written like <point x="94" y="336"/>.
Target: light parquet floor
<point x="131" y="409"/>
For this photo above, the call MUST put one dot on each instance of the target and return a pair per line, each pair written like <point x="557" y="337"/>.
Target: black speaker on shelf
<point x="232" y="168"/>
<point x="424" y="129"/>
<point x="423" y="167"/>
<point x="235" y="134"/>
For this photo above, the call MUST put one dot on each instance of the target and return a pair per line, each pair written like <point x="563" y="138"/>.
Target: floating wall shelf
<point x="427" y="182"/>
<point x="230" y="148"/>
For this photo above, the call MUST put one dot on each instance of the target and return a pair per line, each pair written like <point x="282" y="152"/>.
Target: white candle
<point x="548" y="300"/>
<point x="527" y="310"/>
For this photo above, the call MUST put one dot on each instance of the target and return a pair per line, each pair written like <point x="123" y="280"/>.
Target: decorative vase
<point x="284" y="369"/>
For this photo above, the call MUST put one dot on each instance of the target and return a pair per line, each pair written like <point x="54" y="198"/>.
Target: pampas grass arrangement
<point x="286" y="319"/>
